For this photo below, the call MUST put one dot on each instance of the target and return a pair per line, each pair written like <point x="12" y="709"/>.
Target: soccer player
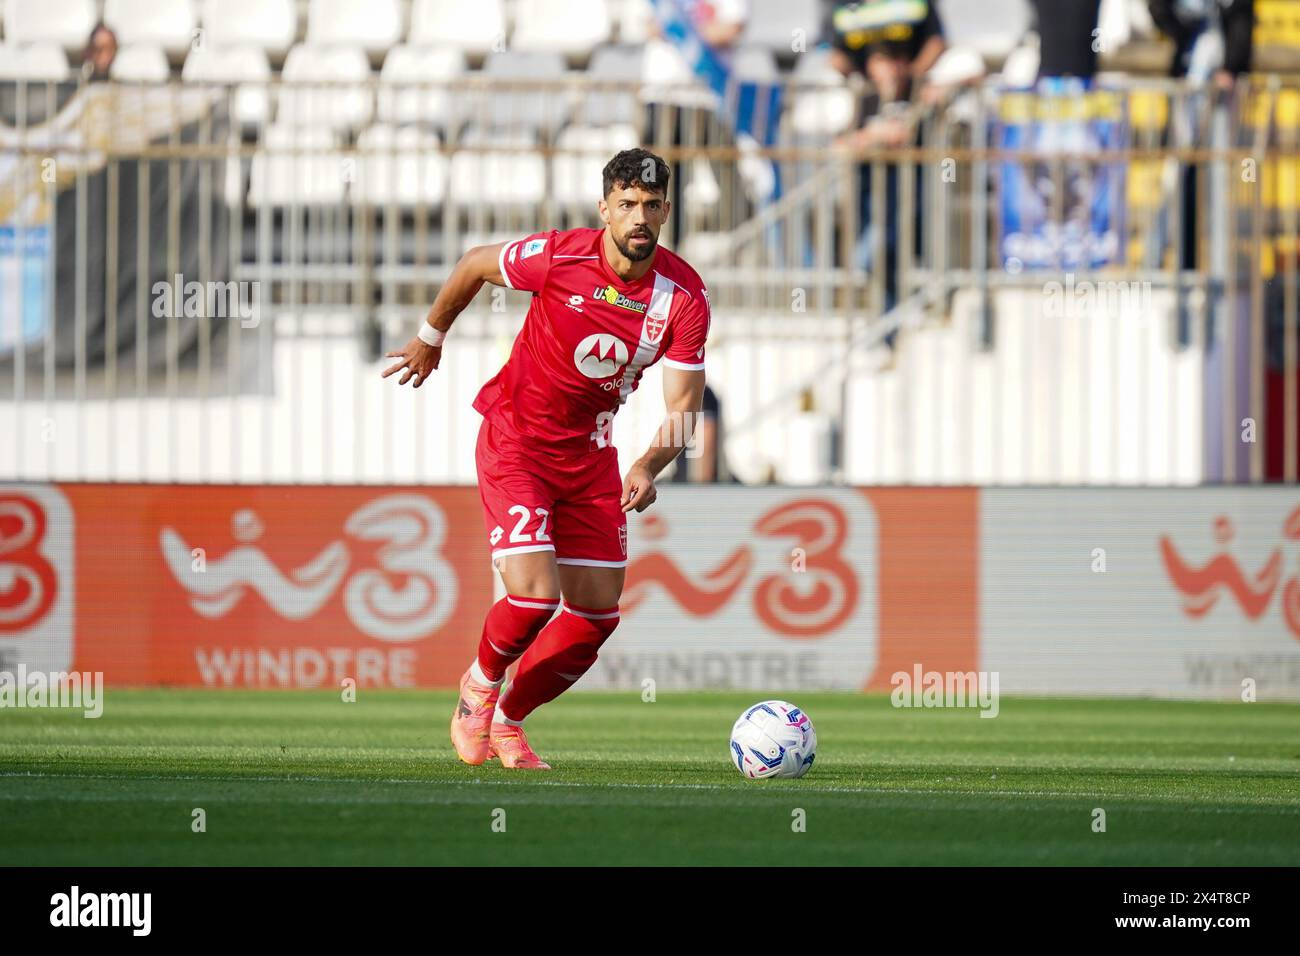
<point x="607" y="304"/>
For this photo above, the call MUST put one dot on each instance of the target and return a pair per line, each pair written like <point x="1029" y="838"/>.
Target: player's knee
<point x="530" y="575"/>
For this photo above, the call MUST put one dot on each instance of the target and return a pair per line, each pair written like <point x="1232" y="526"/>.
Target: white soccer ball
<point x="773" y="739"/>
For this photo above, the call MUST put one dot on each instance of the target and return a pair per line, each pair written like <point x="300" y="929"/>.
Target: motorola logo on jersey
<point x="600" y="355"/>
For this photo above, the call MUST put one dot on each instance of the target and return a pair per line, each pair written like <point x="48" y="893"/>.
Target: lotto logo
<point x="496" y="534"/>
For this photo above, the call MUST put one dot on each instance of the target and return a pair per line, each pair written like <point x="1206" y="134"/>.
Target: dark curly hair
<point x="636" y="167"/>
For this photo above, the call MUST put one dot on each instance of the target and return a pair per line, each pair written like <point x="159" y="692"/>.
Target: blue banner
<point x="1063" y="117"/>
<point x="24" y="285"/>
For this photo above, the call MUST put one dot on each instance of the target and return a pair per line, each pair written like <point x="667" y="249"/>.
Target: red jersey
<point x="588" y="336"/>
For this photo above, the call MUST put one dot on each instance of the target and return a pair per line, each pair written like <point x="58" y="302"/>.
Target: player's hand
<point x="418" y="358"/>
<point x="638" y="489"/>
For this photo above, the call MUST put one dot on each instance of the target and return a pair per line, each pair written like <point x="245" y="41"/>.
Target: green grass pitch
<point x="304" y="778"/>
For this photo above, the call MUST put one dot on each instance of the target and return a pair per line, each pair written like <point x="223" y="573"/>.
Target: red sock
<point x="510" y="628"/>
<point x="563" y="652"/>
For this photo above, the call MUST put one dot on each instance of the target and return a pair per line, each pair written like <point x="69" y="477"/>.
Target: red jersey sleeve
<point x="525" y="262"/>
<point x="690" y="331"/>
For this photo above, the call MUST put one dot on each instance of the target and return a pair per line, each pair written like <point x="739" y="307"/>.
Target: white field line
<point x="803" y="793"/>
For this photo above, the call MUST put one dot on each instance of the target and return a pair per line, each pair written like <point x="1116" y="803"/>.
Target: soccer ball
<point x="773" y="739"/>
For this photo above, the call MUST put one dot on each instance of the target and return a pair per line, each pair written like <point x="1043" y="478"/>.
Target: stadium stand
<point x="271" y="25"/>
<point x="65" y="22"/>
<point x="34" y="62"/>
<point x="168" y="23"/>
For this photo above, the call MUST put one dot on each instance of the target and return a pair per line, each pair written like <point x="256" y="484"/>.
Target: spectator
<point x="1212" y="38"/>
<point x="101" y="50"/>
<point x="892" y="45"/>
<point x="1067" y="33"/>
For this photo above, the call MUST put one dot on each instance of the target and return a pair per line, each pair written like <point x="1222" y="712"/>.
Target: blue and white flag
<point x="752" y="110"/>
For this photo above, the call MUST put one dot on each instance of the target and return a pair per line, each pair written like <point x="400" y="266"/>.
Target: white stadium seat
<point x="474" y="26"/>
<point x="617" y="66"/>
<point x="247" y="65"/>
<point x="269" y="24"/>
<point x="634" y="19"/>
<point x="584" y="151"/>
<point x="325" y="86"/>
<point x="297" y="166"/>
<point x="570" y="27"/>
<point x="140" y="63"/>
<point x="666" y="78"/>
<point x="512" y="174"/>
<point x="374" y="25"/>
<point x="65" y="22"/>
<point x="168" y="23"/>
<point x="518" y="107"/>
<point x="991" y="27"/>
<point x="34" y="62"/>
<point x="1020" y="68"/>
<point x="773" y="24"/>
<point x="402" y="98"/>
<point x="399" y="165"/>
<point x="823" y="105"/>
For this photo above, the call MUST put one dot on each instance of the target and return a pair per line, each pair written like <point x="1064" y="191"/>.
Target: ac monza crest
<point x="622" y="539"/>
<point x="654" y="328"/>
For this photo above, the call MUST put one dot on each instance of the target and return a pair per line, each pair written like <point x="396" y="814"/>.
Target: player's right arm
<point x="423" y="353"/>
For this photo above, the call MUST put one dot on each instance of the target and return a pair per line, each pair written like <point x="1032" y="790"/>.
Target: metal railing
<point x="171" y="276"/>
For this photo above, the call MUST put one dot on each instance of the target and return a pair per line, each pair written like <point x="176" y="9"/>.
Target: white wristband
<point x="431" y="336"/>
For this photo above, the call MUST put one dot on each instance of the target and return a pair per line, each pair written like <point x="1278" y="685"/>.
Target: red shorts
<point x="535" y="500"/>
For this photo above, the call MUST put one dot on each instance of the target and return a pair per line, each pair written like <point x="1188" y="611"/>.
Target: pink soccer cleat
<point x="472" y="719"/>
<point x="509" y="743"/>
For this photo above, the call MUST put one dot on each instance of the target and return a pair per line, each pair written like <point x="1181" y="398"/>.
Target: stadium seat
<point x="823" y="105"/>
<point x="1020" y="69"/>
<point x="269" y="24"/>
<point x="991" y="27"/>
<point x="400" y="165"/>
<point x="772" y="24"/>
<point x="474" y="26"/>
<point x="374" y="25"/>
<point x="65" y="22"/>
<point x="584" y="150"/>
<point x="140" y="63"/>
<point x="34" y="62"/>
<point x="297" y="166"/>
<point x="246" y="65"/>
<point x="571" y="27"/>
<point x="756" y="64"/>
<point x="956" y="66"/>
<point x="168" y="23"/>
<point x="634" y="18"/>
<point x="517" y="107"/>
<point x="502" y="169"/>
<point x="603" y="107"/>
<point x="325" y="86"/>
<point x="667" y="79"/>
<point x="408" y="90"/>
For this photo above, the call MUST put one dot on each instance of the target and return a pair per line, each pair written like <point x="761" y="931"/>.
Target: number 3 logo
<point x="28" y="584"/>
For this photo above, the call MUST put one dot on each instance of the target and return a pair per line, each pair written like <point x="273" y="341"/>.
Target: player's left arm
<point x="683" y="398"/>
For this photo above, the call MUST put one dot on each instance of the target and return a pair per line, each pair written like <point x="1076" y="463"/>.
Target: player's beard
<point x="637" y="255"/>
